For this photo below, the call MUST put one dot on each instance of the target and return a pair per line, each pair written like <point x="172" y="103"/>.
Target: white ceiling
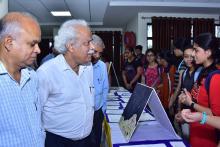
<point x="107" y="13"/>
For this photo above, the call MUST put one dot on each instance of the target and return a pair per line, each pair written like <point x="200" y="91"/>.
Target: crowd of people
<point x="181" y="77"/>
<point x="63" y="102"/>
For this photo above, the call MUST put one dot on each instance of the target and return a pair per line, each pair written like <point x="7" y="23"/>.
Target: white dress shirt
<point x="67" y="99"/>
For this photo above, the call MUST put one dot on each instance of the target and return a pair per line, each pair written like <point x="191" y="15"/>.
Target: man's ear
<point x="70" y="46"/>
<point x="8" y="43"/>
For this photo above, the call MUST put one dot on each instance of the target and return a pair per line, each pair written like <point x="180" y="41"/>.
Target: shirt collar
<point x="25" y="76"/>
<point x="2" y="69"/>
<point x="62" y="63"/>
<point x="25" y="73"/>
<point x="96" y="65"/>
<point x="65" y="66"/>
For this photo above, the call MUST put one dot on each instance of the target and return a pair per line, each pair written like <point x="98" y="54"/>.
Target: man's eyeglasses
<point x="97" y="52"/>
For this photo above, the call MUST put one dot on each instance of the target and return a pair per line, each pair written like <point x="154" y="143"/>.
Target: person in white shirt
<point x="100" y="78"/>
<point x="66" y="88"/>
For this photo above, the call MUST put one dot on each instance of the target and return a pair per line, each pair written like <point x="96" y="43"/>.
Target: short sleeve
<point x="214" y="94"/>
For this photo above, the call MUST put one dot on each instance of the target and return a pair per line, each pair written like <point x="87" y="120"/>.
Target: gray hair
<point x="97" y="41"/>
<point x="67" y="32"/>
<point x="12" y="26"/>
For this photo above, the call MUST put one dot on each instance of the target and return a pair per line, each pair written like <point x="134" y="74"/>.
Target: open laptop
<point x="141" y="96"/>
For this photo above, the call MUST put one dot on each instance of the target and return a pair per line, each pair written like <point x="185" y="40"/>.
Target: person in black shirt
<point x="139" y="55"/>
<point x="131" y="71"/>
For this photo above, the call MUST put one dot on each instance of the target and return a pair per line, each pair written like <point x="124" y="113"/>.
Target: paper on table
<point x="124" y="93"/>
<point x="109" y="100"/>
<point x="113" y="107"/>
<point x="114" y="111"/>
<point x="111" y="94"/>
<point x="126" y="97"/>
<point x="114" y="118"/>
<point x="146" y="145"/>
<point x="114" y="103"/>
<point x="122" y="89"/>
<point x="146" y="116"/>
<point x="125" y="100"/>
<point x="177" y="144"/>
<point x="124" y="104"/>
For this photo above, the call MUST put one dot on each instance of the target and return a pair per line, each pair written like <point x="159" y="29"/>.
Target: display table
<point x="149" y="132"/>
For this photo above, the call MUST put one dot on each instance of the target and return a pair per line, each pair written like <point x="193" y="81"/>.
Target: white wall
<point x="132" y="27"/>
<point x="3" y="7"/>
<point x="144" y="18"/>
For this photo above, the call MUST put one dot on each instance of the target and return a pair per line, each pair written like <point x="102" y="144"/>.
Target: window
<point x="149" y="36"/>
<point x="217" y="30"/>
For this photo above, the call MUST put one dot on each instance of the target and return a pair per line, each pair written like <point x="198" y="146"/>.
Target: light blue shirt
<point x="67" y="98"/>
<point x="47" y="57"/>
<point x="100" y="78"/>
<point x="20" y="116"/>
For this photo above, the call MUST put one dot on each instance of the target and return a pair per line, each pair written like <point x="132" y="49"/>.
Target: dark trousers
<point x="97" y="128"/>
<point x="53" y="140"/>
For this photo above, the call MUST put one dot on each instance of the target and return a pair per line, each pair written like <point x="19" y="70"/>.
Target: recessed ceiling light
<point x="60" y="13"/>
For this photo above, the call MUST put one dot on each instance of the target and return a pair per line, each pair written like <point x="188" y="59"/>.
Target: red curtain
<point x="201" y="25"/>
<point x="117" y="51"/>
<point x="161" y="33"/>
<point x="113" y="50"/>
<point x="107" y="37"/>
<point x="166" y="29"/>
<point x="181" y="27"/>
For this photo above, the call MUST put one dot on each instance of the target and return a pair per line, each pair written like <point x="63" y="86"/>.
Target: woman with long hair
<point x="201" y="100"/>
<point x="152" y="71"/>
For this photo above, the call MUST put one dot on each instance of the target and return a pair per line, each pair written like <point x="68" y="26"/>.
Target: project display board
<point x="140" y="98"/>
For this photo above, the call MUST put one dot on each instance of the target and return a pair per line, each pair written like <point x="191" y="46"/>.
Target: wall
<point x="132" y="27"/>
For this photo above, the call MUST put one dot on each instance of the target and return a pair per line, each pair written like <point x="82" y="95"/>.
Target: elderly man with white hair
<point x="66" y="88"/>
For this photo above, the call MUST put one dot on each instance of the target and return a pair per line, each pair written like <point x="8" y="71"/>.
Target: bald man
<point x="20" y="123"/>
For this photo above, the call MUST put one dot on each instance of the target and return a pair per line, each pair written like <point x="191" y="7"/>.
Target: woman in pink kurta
<point x="152" y="73"/>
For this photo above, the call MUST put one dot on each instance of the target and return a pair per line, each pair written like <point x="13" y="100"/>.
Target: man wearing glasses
<point x="101" y="84"/>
